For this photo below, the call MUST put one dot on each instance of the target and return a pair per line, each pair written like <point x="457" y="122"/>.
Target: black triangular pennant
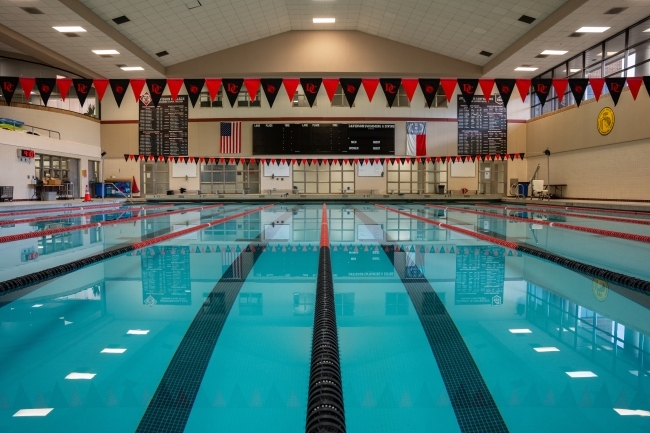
<point x="8" y="87"/>
<point x="505" y="86"/>
<point x="429" y="88"/>
<point x="311" y="86"/>
<point x="468" y="88"/>
<point x="82" y="88"/>
<point x="615" y="86"/>
<point x="232" y="87"/>
<point x="392" y="161"/>
<point x="271" y="87"/>
<point x="156" y="88"/>
<point x="119" y="87"/>
<point x="390" y="87"/>
<point x="45" y="87"/>
<point x="194" y="87"/>
<point x="578" y="87"/>
<point x="542" y="88"/>
<point x="646" y="82"/>
<point x="350" y="88"/>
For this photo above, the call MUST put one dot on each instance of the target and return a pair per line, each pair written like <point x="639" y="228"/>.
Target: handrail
<point x="49" y="131"/>
<point x="118" y="190"/>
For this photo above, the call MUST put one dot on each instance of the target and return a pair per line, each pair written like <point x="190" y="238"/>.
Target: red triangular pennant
<point x="174" y="85"/>
<point x="634" y="83"/>
<point x="252" y="87"/>
<point x="597" y="86"/>
<point x="487" y="85"/>
<point x="523" y="86"/>
<point x="290" y="85"/>
<point x="330" y="85"/>
<point x="409" y="85"/>
<point x="449" y="87"/>
<point x="370" y="86"/>
<point x="64" y="86"/>
<point x="100" y="87"/>
<point x="137" y="84"/>
<point x="559" y="84"/>
<point x="213" y="85"/>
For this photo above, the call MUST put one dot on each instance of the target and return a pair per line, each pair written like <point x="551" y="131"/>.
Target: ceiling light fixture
<point x="132" y="68"/>
<point x="69" y="29"/>
<point x="525" y="69"/>
<point x="592" y="29"/>
<point x="554" y="52"/>
<point x="324" y="20"/>
<point x="105" y="52"/>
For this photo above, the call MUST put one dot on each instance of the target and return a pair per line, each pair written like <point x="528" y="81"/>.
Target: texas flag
<point x="416" y="138"/>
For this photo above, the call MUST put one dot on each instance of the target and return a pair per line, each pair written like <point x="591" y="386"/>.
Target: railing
<point x="49" y="131"/>
<point x="128" y="199"/>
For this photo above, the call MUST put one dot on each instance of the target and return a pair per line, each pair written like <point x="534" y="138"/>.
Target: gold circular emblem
<point x="600" y="289"/>
<point x="605" y="122"/>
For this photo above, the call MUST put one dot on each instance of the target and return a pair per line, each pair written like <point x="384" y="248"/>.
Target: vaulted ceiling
<point x="508" y="32"/>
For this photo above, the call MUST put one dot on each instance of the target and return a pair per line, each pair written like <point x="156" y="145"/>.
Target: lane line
<point x="88" y="214"/>
<point x="576" y="215"/>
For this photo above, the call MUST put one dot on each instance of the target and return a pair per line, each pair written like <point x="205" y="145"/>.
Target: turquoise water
<point x="504" y="304"/>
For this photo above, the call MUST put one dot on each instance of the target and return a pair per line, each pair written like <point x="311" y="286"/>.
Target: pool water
<point x="438" y="331"/>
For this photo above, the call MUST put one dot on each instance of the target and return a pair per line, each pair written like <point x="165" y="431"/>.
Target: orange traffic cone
<point x="87" y="196"/>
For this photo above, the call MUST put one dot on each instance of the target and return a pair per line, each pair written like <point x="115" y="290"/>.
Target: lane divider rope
<point x="325" y="411"/>
<point x="627" y="281"/>
<point x="79" y="215"/>
<point x="576" y="215"/>
<point x="58" y="271"/>
<point x="58" y="209"/>
<point x="41" y="233"/>
<point x="591" y="209"/>
<point x="601" y="232"/>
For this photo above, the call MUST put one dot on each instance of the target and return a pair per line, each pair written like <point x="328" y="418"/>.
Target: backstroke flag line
<point x="416" y="138"/>
<point x="230" y="141"/>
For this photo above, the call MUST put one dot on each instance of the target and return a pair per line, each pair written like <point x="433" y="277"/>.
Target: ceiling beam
<point x="93" y="19"/>
<point x="562" y="12"/>
<point x="42" y="53"/>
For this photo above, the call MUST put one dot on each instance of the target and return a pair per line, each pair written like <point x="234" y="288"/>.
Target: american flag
<point x="230" y="141"/>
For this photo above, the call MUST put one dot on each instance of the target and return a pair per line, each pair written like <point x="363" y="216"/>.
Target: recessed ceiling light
<point x="109" y="350"/>
<point x="138" y="331"/>
<point x="579" y="374"/>
<point x="38" y="412"/>
<point x="132" y="68"/>
<point x="521" y="331"/>
<point x="592" y="29"/>
<point x="525" y="69"/>
<point x="546" y="349"/>
<point x="69" y="29"/>
<point x="554" y="52"/>
<point x="574" y="70"/>
<point x="626" y="412"/>
<point x="105" y="52"/>
<point x="324" y="20"/>
<point x="80" y="376"/>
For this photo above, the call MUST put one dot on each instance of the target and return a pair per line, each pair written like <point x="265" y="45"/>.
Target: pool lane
<point x="258" y="375"/>
<point x="390" y="379"/>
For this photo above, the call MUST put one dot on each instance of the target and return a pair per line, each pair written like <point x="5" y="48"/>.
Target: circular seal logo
<point x="600" y="289"/>
<point x="605" y="121"/>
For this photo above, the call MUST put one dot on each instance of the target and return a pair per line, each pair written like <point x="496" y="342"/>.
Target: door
<point x="154" y="178"/>
<point x="492" y="178"/>
<point x="73" y="175"/>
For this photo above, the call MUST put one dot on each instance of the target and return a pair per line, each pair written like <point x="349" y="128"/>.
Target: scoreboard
<point x="323" y="138"/>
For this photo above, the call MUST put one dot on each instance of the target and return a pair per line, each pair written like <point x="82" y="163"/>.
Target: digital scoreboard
<point x="323" y="138"/>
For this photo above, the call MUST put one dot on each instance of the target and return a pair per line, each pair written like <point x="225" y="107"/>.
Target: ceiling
<point x="188" y="29"/>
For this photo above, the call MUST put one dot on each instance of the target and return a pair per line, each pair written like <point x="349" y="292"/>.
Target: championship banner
<point x="271" y="86"/>
<point x="350" y="88"/>
<point x="119" y="87"/>
<point x="390" y="87"/>
<point x="429" y="87"/>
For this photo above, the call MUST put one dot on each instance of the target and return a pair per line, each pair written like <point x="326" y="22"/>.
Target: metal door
<point x="154" y="178"/>
<point x="492" y="178"/>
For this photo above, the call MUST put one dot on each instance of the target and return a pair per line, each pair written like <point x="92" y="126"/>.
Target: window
<point x="341" y="225"/>
<point x="244" y="99"/>
<point x="424" y="177"/>
<point x="247" y="227"/>
<point x="306" y="225"/>
<point x="323" y="178"/>
<point x="397" y="304"/>
<point x="55" y="167"/>
<point x="339" y="99"/>
<point x="250" y="304"/>
<point x="401" y="100"/>
<point x="204" y="99"/>
<point x="344" y="304"/>
<point x="439" y="100"/>
<point x="300" y="100"/>
<point x="403" y="228"/>
<point x="230" y="178"/>
<point x="59" y="242"/>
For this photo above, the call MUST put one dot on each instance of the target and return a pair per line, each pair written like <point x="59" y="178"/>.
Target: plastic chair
<point x="539" y="191"/>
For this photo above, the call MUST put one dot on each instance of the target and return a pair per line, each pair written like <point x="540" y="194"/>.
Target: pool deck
<point x="264" y="197"/>
<point x="596" y="204"/>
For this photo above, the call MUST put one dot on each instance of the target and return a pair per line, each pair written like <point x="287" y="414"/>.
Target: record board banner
<point x="163" y="129"/>
<point x="482" y="126"/>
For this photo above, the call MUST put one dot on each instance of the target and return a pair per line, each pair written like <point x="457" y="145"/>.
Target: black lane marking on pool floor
<point x="171" y="404"/>
<point x="473" y="404"/>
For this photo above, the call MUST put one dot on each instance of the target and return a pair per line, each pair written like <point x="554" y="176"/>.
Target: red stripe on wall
<point x="312" y="119"/>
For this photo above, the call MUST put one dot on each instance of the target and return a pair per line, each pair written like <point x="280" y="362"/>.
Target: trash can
<point x="48" y="195"/>
<point x="522" y="188"/>
<point x="441" y="189"/>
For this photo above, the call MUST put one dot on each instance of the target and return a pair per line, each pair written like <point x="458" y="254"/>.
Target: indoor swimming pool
<point x="451" y="318"/>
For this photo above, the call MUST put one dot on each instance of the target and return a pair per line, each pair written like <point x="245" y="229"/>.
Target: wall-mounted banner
<point x="119" y="87"/>
<point x="232" y="87"/>
<point x="271" y="87"/>
<point x="390" y="87"/>
<point x="194" y="86"/>
<point x="311" y="86"/>
<point x="350" y="88"/>
<point x="8" y="86"/>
